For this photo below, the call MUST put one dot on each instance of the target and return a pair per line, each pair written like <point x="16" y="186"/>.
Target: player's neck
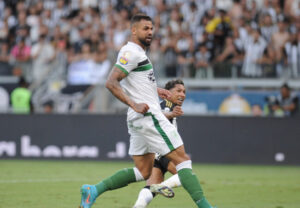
<point x="138" y="43"/>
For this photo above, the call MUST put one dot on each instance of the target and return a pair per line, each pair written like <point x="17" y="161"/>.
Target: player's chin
<point x="179" y="102"/>
<point x="148" y="41"/>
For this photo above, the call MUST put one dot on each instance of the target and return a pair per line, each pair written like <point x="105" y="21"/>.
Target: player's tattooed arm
<point x="113" y="85"/>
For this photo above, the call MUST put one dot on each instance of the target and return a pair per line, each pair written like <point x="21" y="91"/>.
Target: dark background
<point x="241" y="140"/>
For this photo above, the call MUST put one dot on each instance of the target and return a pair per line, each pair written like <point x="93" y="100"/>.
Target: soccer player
<point x="172" y="109"/>
<point x="150" y="131"/>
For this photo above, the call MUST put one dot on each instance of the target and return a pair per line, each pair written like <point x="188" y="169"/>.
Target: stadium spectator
<point x="268" y="8"/>
<point x="268" y="28"/>
<point x="9" y="17"/>
<point x="61" y="56"/>
<point x="120" y="35"/>
<point x="170" y="54"/>
<point x="82" y="65"/>
<point x="21" y="29"/>
<point x="2" y="7"/>
<point x="256" y="110"/>
<point x="287" y="102"/>
<point x="292" y="55"/>
<point x="20" y="57"/>
<point x="192" y="14"/>
<point x="199" y="33"/>
<point x="185" y="51"/>
<point x="175" y="20"/>
<point x="4" y="30"/>
<point x="48" y="107"/>
<point x="21" y="98"/>
<point x="220" y="27"/>
<point x="236" y="12"/>
<point x="156" y="57"/>
<point x="33" y="21"/>
<point x="4" y="101"/>
<point x="278" y="41"/>
<point x="60" y="11"/>
<point x="267" y="62"/>
<point x="5" y="67"/>
<point x="103" y="64"/>
<point x="147" y="8"/>
<point x="202" y="63"/>
<point x="253" y="51"/>
<point x="225" y="61"/>
<point x="42" y="54"/>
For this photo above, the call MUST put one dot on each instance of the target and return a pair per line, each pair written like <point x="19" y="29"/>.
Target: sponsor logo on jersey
<point x="151" y="77"/>
<point x="123" y="60"/>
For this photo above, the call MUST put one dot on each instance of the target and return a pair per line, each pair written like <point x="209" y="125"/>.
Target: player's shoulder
<point x="129" y="53"/>
<point x="132" y="48"/>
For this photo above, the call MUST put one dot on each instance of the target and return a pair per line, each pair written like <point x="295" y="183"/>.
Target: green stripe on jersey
<point x="122" y="69"/>
<point x="143" y="68"/>
<point x="161" y="131"/>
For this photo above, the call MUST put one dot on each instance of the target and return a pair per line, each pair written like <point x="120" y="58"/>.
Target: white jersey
<point x="140" y="84"/>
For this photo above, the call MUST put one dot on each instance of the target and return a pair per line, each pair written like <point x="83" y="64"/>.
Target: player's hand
<point x="177" y="111"/>
<point x="140" y="108"/>
<point x="163" y="93"/>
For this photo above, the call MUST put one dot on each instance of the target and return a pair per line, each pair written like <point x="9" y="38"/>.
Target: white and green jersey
<point x="140" y="82"/>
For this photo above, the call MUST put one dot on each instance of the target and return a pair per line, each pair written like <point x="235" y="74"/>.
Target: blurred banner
<point x="241" y="140"/>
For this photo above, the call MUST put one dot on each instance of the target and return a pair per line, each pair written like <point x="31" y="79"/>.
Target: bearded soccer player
<point x="150" y="131"/>
<point x="172" y="109"/>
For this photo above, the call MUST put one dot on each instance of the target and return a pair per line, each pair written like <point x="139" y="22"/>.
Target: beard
<point x="145" y="42"/>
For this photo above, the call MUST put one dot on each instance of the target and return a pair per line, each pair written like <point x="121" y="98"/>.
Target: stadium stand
<point x="211" y="44"/>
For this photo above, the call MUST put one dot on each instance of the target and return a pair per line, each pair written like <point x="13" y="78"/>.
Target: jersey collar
<point x="136" y="45"/>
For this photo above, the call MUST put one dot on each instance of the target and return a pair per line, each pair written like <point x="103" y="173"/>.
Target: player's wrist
<point x="132" y="104"/>
<point x="172" y="115"/>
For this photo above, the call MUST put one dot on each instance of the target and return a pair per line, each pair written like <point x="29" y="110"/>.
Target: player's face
<point x="284" y="92"/>
<point x="178" y="94"/>
<point x="144" y="32"/>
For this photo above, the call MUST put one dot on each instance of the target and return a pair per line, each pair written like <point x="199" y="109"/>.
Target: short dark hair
<point x="138" y="17"/>
<point x="22" y="82"/>
<point x="286" y="86"/>
<point x="49" y="103"/>
<point x="171" y="84"/>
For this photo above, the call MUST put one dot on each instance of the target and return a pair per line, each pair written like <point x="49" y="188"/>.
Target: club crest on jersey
<point x="123" y="60"/>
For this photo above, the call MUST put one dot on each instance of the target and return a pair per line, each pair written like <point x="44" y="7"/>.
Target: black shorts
<point x="162" y="163"/>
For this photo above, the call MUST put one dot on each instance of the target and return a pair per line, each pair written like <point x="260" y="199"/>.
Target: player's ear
<point x="133" y="29"/>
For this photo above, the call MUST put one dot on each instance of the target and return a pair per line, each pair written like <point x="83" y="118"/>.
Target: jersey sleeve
<point x="126" y="61"/>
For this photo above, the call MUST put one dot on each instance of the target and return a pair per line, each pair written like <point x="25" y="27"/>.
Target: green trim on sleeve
<point x="143" y="68"/>
<point x="122" y="69"/>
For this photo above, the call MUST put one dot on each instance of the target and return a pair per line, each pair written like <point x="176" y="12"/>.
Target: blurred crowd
<point x="79" y="39"/>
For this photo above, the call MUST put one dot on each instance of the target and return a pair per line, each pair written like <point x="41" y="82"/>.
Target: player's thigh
<point x="162" y="136"/>
<point x="156" y="177"/>
<point x="144" y="163"/>
<point x="178" y="155"/>
<point x="138" y="141"/>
